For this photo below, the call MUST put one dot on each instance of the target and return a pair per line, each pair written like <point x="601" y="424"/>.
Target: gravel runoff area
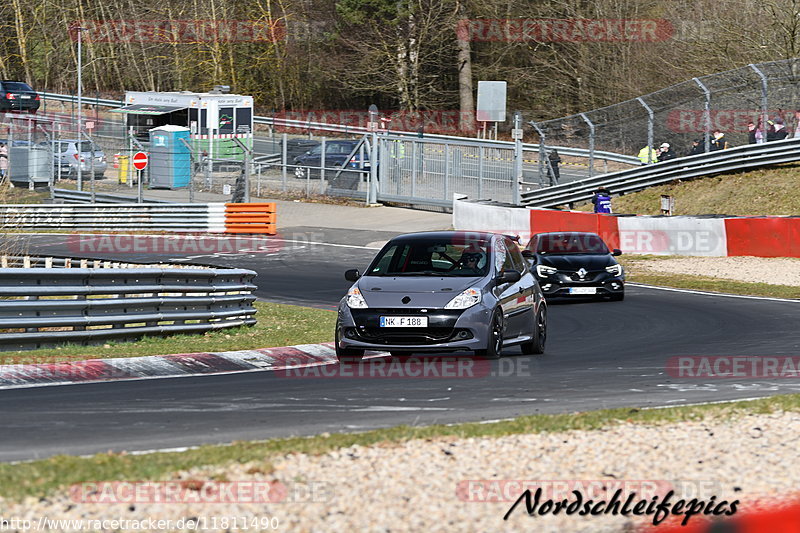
<point x="772" y="270"/>
<point x="436" y="484"/>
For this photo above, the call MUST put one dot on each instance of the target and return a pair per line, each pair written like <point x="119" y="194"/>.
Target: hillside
<point x="773" y="191"/>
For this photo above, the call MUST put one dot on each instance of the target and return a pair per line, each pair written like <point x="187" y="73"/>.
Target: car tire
<point x="536" y="346"/>
<point x="494" y="344"/>
<point x="617" y="297"/>
<point x="346" y="355"/>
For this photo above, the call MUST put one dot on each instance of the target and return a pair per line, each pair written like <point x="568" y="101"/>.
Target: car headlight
<point x="355" y="300"/>
<point x="545" y="271"/>
<point x="614" y="270"/>
<point x="466" y="299"/>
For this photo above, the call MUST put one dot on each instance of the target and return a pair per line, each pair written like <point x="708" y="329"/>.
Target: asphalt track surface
<point x="599" y="355"/>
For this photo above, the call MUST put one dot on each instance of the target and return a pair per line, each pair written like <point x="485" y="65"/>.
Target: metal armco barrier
<point x="175" y="218"/>
<point x="183" y="218"/>
<point x="250" y="218"/>
<point x="739" y="158"/>
<point x="42" y="307"/>
<point x="68" y="196"/>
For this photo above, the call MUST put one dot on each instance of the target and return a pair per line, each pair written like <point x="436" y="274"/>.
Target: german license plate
<point x="583" y="290"/>
<point x="404" y="322"/>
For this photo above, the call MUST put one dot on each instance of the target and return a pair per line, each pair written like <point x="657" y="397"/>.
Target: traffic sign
<point x="139" y="160"/>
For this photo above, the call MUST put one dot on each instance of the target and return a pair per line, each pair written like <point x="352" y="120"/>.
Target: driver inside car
<point x="470" y="263"/>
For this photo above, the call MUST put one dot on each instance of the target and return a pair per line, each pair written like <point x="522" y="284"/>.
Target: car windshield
<point x="86" y="146"/>
<point x="453" y="257"/>
<point x="571" y="243"/>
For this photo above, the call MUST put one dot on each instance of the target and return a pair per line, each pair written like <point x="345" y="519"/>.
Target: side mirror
<point x="509" y="276"/>
<point x="527" y="254"/>
<point x="616" y="251"/>
<point x="352" y="274"/>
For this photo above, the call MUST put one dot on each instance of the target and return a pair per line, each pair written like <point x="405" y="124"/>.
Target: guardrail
<point x="68" y="196"/>
<point x="256" y="218"/>
<point x="45" y="306"/>
<point x="182" y="218"/>
<point x="627" y="181"/>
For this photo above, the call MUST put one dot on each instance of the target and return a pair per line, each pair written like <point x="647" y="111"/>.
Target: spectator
<point x="647" y="155"/>
<point x="778" y="131"/>
<point x="602" y="200"/>
<point x="751" y="133"/>
<point x="553" y="172"/>
<point x="698" y="147"/>
<point x="797" y="120"/>
<point x="3" y="161"/>
<point x="665" y="153"/>
<point x="719" y="142"/>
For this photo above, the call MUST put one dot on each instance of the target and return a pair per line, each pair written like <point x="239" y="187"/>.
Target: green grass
<point x="701" y="283"/>
<point x="770" y="191"/>
<point x="43" y="477"/>
<point x="278" y="325"/>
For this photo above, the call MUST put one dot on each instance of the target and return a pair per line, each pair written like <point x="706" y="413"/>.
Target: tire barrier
<point x="42" y="306"/>
<point x="259" y="218"/>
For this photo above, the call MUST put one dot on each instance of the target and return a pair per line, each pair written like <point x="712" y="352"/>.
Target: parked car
<point x="443" y="291"/>
<point x="18" y="96"/>
<point x="575" y="264"/>
<point x="336" y="155"/>
<point x="67" y="157"/>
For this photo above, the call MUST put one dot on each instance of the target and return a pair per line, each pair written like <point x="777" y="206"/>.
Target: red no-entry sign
<point x="139" y="160"/>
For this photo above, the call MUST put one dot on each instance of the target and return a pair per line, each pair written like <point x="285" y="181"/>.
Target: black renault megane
<point x="575" y="264"/>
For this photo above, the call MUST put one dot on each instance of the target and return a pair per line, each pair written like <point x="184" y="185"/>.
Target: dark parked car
<point x="575" y="264"/>
<point x="443" y="291"/>
<point x="337" y="154"/>
<point x="18" y="96"/>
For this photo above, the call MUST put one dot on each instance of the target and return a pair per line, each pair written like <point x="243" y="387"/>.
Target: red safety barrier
<point x="763" y="237"/>
<point x="604" y="225"/>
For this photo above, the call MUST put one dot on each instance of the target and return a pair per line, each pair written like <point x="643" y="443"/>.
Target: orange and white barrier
<point x="250" y="218"/>
<point x="658" y="235"/>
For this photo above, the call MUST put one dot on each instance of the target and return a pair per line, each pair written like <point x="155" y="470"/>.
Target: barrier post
<point x="649" y="129"/>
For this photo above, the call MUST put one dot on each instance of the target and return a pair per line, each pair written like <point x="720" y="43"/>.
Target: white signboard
<point x="491" y="101"/>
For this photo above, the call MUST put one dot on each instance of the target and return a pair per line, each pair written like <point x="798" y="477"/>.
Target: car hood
<point x="573" y="262"/>
<point x="422" y="291"/>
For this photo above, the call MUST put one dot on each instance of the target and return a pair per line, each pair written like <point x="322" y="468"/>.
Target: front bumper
<point x="447" y="330"/>
<point x="561" y="284"/>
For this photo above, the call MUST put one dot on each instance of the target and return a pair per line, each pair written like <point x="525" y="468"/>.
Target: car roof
<point x="444" y="235"/>
<point x="566" y="233"/>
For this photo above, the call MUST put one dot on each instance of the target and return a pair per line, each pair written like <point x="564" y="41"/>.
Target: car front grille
<point x="409" y="337"/>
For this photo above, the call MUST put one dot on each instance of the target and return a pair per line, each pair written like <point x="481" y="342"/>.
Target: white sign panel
<point x="492" y="101"/>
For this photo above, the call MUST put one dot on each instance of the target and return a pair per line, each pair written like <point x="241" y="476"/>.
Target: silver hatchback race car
<point x="440" y="292"/>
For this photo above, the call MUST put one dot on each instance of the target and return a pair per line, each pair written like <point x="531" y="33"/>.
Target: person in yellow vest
<point x="643" y="155"/>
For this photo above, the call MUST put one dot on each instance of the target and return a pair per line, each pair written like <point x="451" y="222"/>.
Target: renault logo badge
<point x="582" y="273"/>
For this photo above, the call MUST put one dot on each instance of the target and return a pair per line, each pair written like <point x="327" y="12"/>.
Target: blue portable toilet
<point x="170" y="163"/>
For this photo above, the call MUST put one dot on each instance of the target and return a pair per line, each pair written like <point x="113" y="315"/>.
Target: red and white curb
<point x="166" y="366"/>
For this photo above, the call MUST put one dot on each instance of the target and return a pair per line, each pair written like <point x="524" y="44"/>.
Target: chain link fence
<point x="685" y="112"/>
